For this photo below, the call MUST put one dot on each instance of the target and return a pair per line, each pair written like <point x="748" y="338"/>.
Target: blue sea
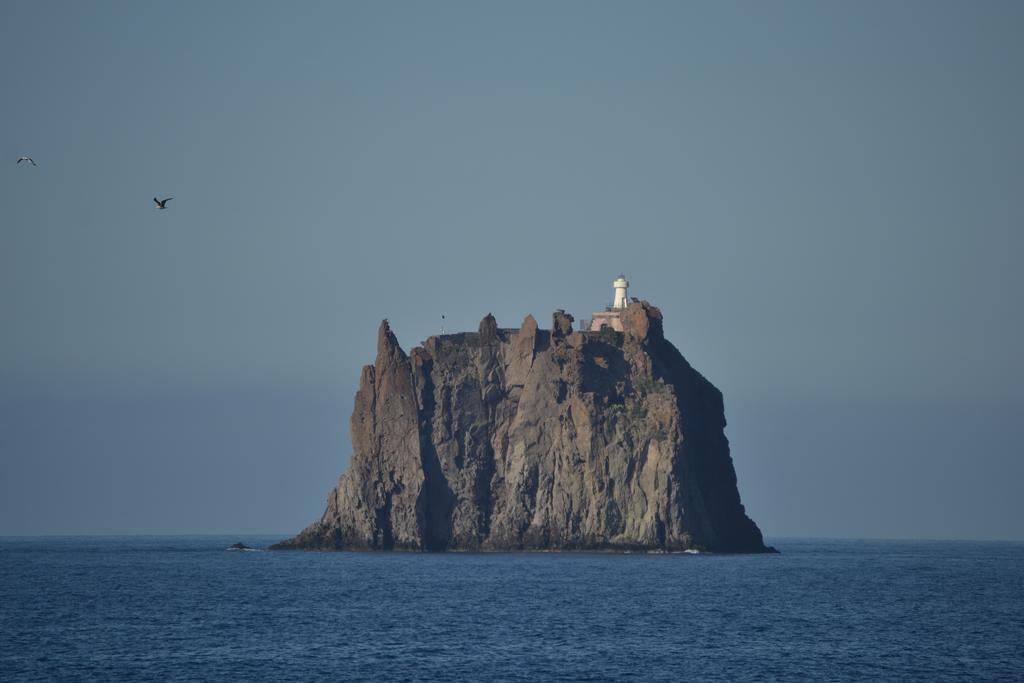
<point x="185" y="608"/>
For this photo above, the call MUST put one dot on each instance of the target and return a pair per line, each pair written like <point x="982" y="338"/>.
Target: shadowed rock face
<point x="531" y="439"/>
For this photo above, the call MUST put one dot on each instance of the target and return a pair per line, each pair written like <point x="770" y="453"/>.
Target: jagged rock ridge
<point x="534" y="439"/>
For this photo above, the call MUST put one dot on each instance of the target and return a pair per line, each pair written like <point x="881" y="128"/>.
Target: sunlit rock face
<point x="532" y="439"/>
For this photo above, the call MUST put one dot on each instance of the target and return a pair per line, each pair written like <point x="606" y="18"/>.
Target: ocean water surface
<point x="184" y="608"/>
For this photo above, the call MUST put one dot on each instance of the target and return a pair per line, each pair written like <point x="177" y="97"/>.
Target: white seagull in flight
<point x="28" y="159"/>
<point x="162" y="204"/>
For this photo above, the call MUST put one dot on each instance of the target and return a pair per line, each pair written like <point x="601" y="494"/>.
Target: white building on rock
<point x="611" y="316"/>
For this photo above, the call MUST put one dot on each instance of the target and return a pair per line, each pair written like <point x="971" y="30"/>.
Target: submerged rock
<point x="536" y="440"/>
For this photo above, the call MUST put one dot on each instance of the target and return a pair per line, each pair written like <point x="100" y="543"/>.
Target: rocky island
<point x="531" y="439"/>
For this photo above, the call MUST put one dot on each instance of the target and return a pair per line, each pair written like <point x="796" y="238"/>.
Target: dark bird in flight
<point x="28" y="159"/>
<point x="162" y="204"/>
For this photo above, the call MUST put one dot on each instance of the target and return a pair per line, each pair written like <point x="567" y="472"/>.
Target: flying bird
<point x="162" y="204"/>
<point x="28" y="159"/>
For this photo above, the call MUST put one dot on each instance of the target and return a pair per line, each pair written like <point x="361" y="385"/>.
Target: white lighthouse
<point x="620" y="285"/>
<point x="612" y="315"/>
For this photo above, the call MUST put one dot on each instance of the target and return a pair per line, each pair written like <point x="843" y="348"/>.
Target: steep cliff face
<point x="536" y="439"/>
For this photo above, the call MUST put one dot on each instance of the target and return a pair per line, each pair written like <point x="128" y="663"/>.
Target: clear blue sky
<point x="825" y="199"/>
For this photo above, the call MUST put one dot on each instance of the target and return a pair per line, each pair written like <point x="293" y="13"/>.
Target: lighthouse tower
<point x="620" y="286"/>
<point x="612" y="315"/>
